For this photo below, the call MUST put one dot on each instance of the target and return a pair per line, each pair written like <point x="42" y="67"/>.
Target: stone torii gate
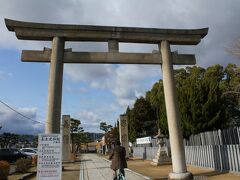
<point x="57" y="56"/>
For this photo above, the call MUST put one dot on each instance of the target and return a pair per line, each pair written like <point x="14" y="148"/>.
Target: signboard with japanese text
<point x="144" y="140"/>
<point x="49" y="157"/>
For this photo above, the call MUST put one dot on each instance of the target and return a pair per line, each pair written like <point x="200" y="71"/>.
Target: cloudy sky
<point x="95" y="93"/>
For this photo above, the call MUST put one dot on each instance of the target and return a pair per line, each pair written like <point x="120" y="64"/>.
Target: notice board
<point x="49" y="165"/>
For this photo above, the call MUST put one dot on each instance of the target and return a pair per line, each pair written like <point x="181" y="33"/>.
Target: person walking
<point x="118" y="157"/>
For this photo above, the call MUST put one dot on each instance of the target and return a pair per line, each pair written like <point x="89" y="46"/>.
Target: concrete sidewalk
<point x="93" y="167"/>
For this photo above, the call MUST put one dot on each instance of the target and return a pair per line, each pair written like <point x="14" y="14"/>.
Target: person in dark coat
<point x="118" y="157"/>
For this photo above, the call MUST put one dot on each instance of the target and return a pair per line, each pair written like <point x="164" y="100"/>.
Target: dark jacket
<point x="118" y="158"/>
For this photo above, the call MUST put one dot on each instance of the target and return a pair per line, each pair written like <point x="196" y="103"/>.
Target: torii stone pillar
<point x="173" y="117"/>
<point x="55" y="87"/>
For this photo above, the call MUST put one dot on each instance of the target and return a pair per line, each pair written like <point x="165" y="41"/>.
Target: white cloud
<point x="130" y="79"/>
<point x="4" y="75"/>
<point x="15" y="123"/>
<point x="70" y="89"/>
<point x="89" y="73"/>
<point x="88" y="119"/>
<point x="125" y="82"/>
<point x="91" y="118"/>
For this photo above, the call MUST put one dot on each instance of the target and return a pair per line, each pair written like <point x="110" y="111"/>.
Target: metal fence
<point x="218" y="137"/>
<point x="219" y="157"/>
<point x="145" y="152"/>
<point x="218" y="149"/>
<point x="152" y="144"/>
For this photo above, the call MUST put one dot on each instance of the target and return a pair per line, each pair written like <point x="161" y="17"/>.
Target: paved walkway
<point x="93" y="167"/>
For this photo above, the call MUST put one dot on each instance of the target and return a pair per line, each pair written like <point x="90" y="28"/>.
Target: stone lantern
<point x="162" y="153"/>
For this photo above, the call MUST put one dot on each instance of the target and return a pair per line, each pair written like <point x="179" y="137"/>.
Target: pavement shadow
<point x="83" y="160"/>
<point x="71" y="170"/>
<point x="197" y="176"/>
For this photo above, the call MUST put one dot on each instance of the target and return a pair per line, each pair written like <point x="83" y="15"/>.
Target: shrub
<point x="23" y="165"/>
<point x="4" y="169"/>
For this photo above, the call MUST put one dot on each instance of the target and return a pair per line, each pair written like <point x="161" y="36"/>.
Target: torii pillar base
<point x="180" y="176"/>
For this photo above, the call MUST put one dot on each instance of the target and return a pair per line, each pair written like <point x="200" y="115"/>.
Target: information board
<point x="49" y="165"/>
<point x="144" y="140"/>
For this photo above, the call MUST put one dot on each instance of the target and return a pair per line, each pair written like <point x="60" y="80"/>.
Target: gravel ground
<point x="161" y="172"/>
<point x="71" y="171"/>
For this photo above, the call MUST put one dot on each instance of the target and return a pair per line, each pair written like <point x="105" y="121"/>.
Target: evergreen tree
<point x="144" y="116"/>
<point x="105" y="127"/>
<point x="75" y="129"/>
<point x="157" y="101"/>
<point x="231" y="93"/>
<point x="115" y="131"/>
<point x="132" y="125"/>
<point x="208" y="99"/>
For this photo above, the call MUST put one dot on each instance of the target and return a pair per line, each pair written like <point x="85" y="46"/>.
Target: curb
<point x="28" y="175"/>
<point x="145" y="177"/>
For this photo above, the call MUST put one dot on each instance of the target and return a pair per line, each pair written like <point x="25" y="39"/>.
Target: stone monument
<point x="123" y="133"/>
<point x="66" y="148"/>
<point x="162" y="156"/>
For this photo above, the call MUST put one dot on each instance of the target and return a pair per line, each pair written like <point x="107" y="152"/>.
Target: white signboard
<point x="49" y="157"/>
<point x="145" y="140"/>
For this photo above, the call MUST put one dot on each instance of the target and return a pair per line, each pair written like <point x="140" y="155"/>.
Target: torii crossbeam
<point x="57" y="56"/>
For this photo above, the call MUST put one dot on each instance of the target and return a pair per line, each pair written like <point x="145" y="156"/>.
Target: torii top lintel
<point x="46" y="32"/>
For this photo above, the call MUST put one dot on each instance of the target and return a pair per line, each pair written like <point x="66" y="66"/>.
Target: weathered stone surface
<point x="43" y="31"/>
<point x="55" y="87"/>
<point x="162" y="153"/>
<point x="161" y="158"/>
<point x="123" y="133"/>
<point x="113" y="46"/>
<point x="107" y="58"/>
<point x="182" y="176"/>
<point x="66" y="149"/>
<point x="173" y="117"/>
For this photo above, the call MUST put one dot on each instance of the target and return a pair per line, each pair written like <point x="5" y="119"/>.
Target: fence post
<point x="229" y="158"/>
<point x="192" y="152"/>
<point x="238" y="156"/>
<point x="211" y="157"/>
<point x="238" y="133"/>
<point x="144" y="153"/>
<point x="204" y="156"/>
<point x="220" y="137"/>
